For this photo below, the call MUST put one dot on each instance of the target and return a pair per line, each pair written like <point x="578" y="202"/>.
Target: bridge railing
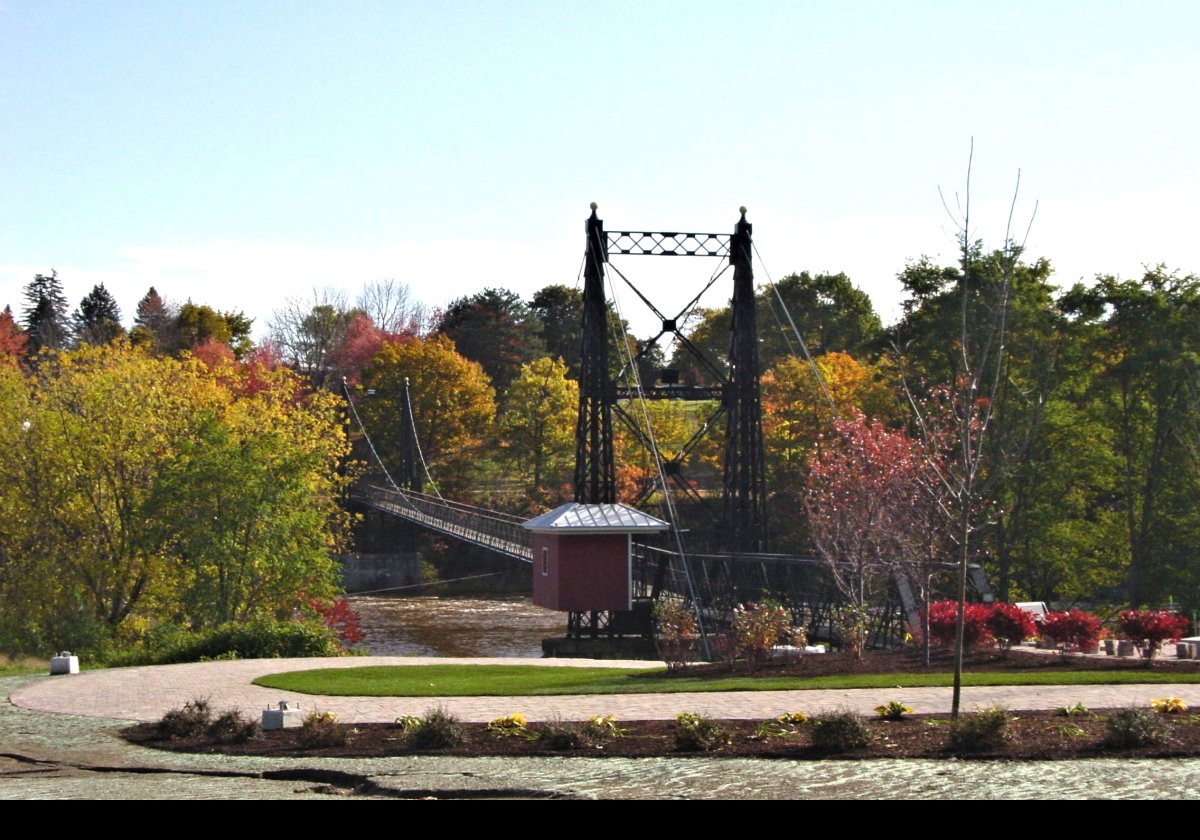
<point x="491" y="529"/>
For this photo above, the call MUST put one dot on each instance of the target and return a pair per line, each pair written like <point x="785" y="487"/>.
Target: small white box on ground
<point x="287" y="716"/>
<point x="64" y="663"/>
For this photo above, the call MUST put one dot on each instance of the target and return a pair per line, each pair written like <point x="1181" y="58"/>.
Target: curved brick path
<point x="144" y="694"/>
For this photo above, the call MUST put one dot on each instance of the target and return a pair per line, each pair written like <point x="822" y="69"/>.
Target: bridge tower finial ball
<point x="595" y="205"/>
<point x="742" y="210"/>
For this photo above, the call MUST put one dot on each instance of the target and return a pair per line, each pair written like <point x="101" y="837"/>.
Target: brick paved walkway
<point x="144" y="694"/>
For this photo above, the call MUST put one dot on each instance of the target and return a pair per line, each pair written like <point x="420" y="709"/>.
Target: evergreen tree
<point x="559" y="310"/>
<point x="45" y="313"/>
<point x="154" y="323"/>
<point x="495" y="329"/>
<point x="98" y="318"/>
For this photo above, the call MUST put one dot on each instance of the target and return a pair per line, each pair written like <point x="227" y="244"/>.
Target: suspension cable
<point x="412" y="422"/>
<point x="811" y="363"/>
<point x="662" y="476"/>
<point x="423" y="585"/>
<point x="362" y="428"/>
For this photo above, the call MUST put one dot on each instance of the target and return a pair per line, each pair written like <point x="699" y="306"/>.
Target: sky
<point x="241" y="153"/>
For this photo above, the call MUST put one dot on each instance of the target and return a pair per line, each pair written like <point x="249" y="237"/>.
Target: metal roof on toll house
<point x="576" y="518"/>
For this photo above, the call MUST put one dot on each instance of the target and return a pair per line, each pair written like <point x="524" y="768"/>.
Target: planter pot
<point x="1110" y="647"/>
<point x="1124" y="648"/>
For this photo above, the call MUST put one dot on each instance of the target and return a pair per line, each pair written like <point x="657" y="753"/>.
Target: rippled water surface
<point x="459" y="626"/>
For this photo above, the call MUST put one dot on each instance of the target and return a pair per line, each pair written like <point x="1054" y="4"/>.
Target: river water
<point x="482" y="625"/>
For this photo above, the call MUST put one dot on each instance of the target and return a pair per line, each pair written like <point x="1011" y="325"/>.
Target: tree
<point x="980" y="367"/>
<point x="45" y="314"/>
<point x="453" y="406"/>
<point x="196" y="324"/>
<point x="799" y="408"/>
<point x="309" y="331"/>
<point x="830" y="313"/>
<point x="98" y="318"/>
<point x="250" y="503"/>
<point x="102" y="425"/>
<point x="495" y="329"/>
<point x="537" y="426"/>
<point x="13" y="339"/>
<point x="1019" y="377"/>
<point x="1146" y="332"/>
<point x="868" y="508"/>
<point x="358" y="346"/>
<point x="239" y="332"/>
<point x="391" y="307"/>
<point x="559" y="310"/>
<point x="138" y="489"/>
<point x="154" y="323"/>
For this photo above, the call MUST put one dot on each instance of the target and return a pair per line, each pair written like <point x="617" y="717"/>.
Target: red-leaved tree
<point x="869" y="508"/>
<point x="943" y="625"/>
<point x="1073" y="631"/>
<point x="340" y="617"/>
<point x="12" y="338"/>
<point x="1011" y="625"/>
<point x="359" y="345"/>
<point x="1148" y="629"/>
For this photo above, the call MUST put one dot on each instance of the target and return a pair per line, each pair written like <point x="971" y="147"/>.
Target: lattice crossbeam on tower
<point x="650" y="243"/>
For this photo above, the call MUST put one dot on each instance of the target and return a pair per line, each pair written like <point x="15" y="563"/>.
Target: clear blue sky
<point x="241" y="152"/>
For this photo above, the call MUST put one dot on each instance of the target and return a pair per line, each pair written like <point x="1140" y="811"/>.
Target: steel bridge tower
<point x="743" y="516"/>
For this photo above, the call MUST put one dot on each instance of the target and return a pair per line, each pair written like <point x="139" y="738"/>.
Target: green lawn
<point x="526" y="680"/>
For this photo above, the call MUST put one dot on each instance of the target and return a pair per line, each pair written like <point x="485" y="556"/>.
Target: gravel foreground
<point x="58" y="756"/>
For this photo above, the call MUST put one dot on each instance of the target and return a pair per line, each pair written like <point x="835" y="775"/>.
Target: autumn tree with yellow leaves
<point x="138" y="490"/>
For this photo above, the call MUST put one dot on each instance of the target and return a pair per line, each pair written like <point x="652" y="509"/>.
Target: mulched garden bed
<point x="1035" y="735"/>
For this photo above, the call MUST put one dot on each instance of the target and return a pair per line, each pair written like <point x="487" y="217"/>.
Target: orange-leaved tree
<point x="453" y="406"/>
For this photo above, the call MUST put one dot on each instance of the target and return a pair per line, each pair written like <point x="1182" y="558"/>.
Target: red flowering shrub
<point x="1148" y="629"/>
<point x="1072" y="631"/>
<point x="942" y="618"/>
<point x="1010" y="624"/>
<point x="339" y="617"/>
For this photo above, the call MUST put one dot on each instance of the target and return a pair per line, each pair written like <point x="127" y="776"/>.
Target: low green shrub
<point x="234" y="640"/>
<point x="563" y="735"/>
<point x="599" y="729"/>
<point x="321" y="729"/>
<point x="697" y="733"/>
<point x="595" y="732"/>
<point x="437" y="729"/>
<point x="986" y="729"/>
<point x="892" y="710"/>
<point x="839" y="730"/>
<point x="511" y="726"/>
<point x="231" y="728"/>
<point x="407" y="723"/>
<point x="781" y="726"/>
<point x="1133" y="727"/>
<point x="676" y="634"/>
<point x="192" y="721"/>
<point x="1078" y="710"/>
